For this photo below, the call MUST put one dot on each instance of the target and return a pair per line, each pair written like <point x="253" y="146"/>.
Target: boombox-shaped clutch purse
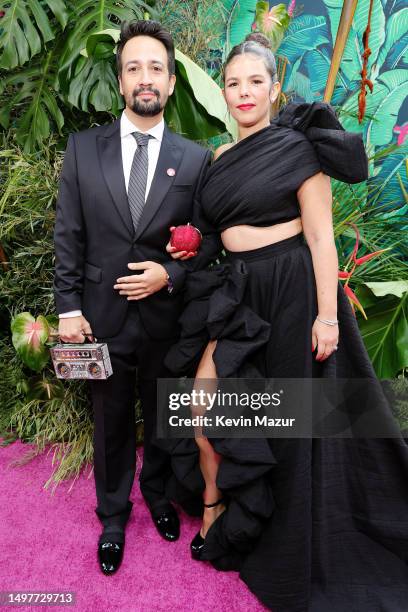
<point x="89" y="360"/>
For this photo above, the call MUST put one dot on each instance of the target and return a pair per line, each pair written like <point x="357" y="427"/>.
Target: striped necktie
<point x="138" y="177"/>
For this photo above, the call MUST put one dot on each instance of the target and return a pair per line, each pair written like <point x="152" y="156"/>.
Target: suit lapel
<point x="110" y="156"/>
<point x="171" y="153"/>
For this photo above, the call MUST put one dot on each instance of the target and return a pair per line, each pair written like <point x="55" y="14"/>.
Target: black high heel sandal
<point x="197" y="542"/>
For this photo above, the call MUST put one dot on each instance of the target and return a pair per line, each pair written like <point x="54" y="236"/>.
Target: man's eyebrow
<point x="154" y="61"/>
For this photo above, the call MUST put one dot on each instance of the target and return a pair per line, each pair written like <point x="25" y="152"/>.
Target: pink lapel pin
<point x="171" y="171"/>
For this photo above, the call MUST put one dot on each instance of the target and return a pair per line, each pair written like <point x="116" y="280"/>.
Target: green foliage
<point x="385" y="332"/>
<point x="304" y="33"/>
<point x="32" y="90"/>
<point x="194" y="26"/>
<point x="397" y="394"/>
<point x="26" y="27"/>
<point x="75" y="68"/>
<point x="239" y="16"/>
<point x="197" y="108"/>
<point x="29" y="189"/>
<point x="83" y="81"/>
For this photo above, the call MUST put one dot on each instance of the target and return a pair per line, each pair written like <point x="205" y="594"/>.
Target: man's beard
<point x="146" y="109"/>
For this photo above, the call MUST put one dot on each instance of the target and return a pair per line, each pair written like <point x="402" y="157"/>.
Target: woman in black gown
<point x="312" y="525"/>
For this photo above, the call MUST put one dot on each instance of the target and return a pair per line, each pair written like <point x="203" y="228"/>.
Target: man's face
<point x="145" y="82"/>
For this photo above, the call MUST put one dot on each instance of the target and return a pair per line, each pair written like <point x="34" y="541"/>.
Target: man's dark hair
<point x="130" y="29"/>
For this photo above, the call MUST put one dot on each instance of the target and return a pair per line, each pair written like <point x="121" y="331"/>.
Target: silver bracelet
<point x="327" y="321"/>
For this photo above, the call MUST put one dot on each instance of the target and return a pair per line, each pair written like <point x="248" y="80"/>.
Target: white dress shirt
<point x="129" y="146"/>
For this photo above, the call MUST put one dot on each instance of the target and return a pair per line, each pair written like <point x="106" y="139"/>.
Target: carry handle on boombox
<point x="93" y="339"/>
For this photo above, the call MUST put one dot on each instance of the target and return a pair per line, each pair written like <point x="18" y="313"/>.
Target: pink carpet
<point x="49" y="543"/>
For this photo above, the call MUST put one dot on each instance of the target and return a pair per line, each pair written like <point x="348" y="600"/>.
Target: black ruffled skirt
<point x="312" y="525"/>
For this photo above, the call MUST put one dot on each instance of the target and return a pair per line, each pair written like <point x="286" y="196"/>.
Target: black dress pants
<point x="134" y="355"/>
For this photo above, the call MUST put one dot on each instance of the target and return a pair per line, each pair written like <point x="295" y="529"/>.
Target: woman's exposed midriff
<point x="248" y="237"/>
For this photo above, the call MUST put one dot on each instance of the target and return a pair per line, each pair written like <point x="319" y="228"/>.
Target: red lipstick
<point x="246" y="106"/>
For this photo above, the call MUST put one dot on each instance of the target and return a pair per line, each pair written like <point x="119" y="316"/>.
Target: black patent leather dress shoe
<point x="168" y="525"/>
<point x="110" y="555"/>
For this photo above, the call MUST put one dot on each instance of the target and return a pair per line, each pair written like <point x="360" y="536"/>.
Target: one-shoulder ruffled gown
<point x="312" y="525"/>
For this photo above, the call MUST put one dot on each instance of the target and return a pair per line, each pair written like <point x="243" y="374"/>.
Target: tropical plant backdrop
<point x="57" y="74"/>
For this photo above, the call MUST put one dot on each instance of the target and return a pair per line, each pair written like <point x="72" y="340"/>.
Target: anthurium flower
<point x="272" y="22"/>
<point x="29" y="336"/>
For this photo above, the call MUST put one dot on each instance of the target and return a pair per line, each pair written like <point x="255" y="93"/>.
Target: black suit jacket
<point x="94" y="236"/>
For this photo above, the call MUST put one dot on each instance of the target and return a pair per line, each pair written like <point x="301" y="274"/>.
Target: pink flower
<point x="291" y="8"/>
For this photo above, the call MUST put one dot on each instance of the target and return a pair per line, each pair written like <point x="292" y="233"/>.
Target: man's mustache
<point x="153" y="91"/>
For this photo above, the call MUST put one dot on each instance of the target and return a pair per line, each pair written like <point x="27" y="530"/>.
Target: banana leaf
<point x="395" y="47"/>
<point x="385" y="332"/>
<point x="304" y="33"/>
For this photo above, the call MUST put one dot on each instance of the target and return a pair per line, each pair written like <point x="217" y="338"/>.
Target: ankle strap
<point x="214" y="504"/>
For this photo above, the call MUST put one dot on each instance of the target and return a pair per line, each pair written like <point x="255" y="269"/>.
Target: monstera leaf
<point x="29" y="338"/>
<point x="40" y="106"/>
<point x="25" y="27"/>
<point x="93" y="17"/>
<point x="95" y="83"/>
<point x="196" y="109"/>
<point x="385" y="332"/>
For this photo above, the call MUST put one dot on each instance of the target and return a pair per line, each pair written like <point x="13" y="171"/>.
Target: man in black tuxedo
<point x="122" y="187"/>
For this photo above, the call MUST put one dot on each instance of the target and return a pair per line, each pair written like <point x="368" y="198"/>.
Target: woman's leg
<point x="206" y="379"/>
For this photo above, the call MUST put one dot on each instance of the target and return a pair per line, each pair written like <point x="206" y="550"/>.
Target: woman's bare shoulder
<point x="221" y="149"/>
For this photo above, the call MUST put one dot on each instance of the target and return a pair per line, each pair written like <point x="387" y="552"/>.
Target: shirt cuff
<point x="71" y="313"/>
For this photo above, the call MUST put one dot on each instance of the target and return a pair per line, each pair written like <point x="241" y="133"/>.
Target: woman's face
<point x="248" y="89"/>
